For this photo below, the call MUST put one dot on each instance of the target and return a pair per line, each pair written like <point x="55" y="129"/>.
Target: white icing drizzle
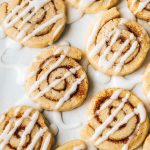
<point x="17" y="110"/>
<point x="41" y="27"/>
<point x="46" y="142"/>
<point x="57" y="30"/>
<point x="94" y="31"/>
<point x="7" y="133"/>
<point x="56" y="82"/>
<point x="133" y="3"/>
<point x="140" y="110"/>
<point x="141" y="6"/>
<point x="2" y="118"/>
<point x="67" y="95"/>
<point x="44" y="76"/>
<point x="100" y="129"/>
<point x="36" y="138"/>
<point x="32" y="4"/>
<point x="27" y="130"/>
<point x="81" y="147"/>
<point x="126" y="55"/>
<point x="108" y="64"/>
<point x="83" y="4"/>
<point x="36" y="4"/>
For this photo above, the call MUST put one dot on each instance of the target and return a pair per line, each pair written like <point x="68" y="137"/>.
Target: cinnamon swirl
<point x="117" y="46"/>
<point x="33" y="23"/>
<point x="56" y="81"/>
<point x="117" y="120"/>
<point x="23" y="127"/>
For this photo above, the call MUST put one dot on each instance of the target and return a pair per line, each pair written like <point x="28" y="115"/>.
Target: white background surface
<point x="11" y="92"/>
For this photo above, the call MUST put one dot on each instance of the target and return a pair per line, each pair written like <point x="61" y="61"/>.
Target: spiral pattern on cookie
<point x="33" y="23"/>
<point x="117" y="46"/>
<point x="117" y="120"/>
<point x="23" y="127"/>
<point x="56" y="81"/>
<point x="140" y="8"/>
<point x="92" y="6"/>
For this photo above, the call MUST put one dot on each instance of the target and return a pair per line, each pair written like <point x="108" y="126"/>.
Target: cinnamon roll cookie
<point x="92" y="6"/>
<point x="146" y="82"/>
<point x="117" y="46"/>
<point x="73" y="145"/>
<point x="23" y="127"/>
<point x="117" y="121"/>
<point x="56" y="81"/>
<point x="147" y="143"/>
<point x="33" y="23"/>
<point x="140" y="8"/>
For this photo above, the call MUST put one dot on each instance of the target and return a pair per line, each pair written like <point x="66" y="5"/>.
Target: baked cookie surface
<point x="73" y="145"/>
<point x="146" y="82"/>
<point x="23" y="127"/>
<point x="140" y="8"/>
<point x="146" y="145"/>
<point x="117" y="46"/>
<point x="93" y="6"/>
<point x="117" y="120"/>
<point x="33" y="23"/>
<point x="56" y="81"/>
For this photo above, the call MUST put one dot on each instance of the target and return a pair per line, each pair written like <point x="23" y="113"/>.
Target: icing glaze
<point x="81" y="147"/>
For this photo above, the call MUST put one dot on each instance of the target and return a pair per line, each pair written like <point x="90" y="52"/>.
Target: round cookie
<point x="146" y="82"/>
<point x="56" y="81"/>
<point x="92" y="6"/>
<point x="140" y="8"/>
<point x="117" y="46"/>
<point x="73" y="145"/>
<point x="23" y="127"/>
<point x="146" y="145"/>
<point x="117" y="120"/>
<point x="33" y="23"/>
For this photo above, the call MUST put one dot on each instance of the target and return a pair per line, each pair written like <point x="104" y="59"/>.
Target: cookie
<point x="73" y="145"/>
<point x="117" y="120"/>
<point x="56" y="81"/>
<point x="140" y="8"/>
<point x="23" y="127"/>
<point x="92" y="6"/>
<point x="117" y="46"/>
<point x="146" y="82"/>
<point x="146" y="145"/>
<point x="33" y="23"/>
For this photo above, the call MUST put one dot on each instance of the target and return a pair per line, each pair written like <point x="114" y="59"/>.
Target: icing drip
<point x="46" y="143"/>
<point x="100" y="129"/>
<point x="94" y="31"/>
<point x="7" y="133"/>
<point x="28" y="129"/>
<point x="59" y="121"/>
<point x="79" y="147"/>
<point x="83" y="4"/>
<point x="56" y="82"/>
<point x="38" y="135"/>
<point x="141" y="6"/>
<point x="2" y="118"/>
<point x="73" y="88"/>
